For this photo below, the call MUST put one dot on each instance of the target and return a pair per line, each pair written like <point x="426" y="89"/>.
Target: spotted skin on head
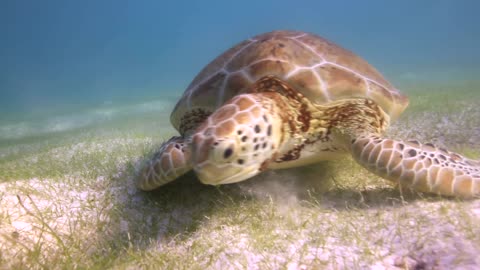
<point x="422" y="167"/>
<point x="170" y="162"/>
<point x="236" y="141"/>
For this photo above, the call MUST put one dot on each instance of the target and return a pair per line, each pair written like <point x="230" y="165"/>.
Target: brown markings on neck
<point x="294" y="110"/>
<point x="193" y="119"/>
<point x="264" y="165"/>
<point x="297" y="102"/>
<point x="292" y="154"/>
<point x="356" y="116"/>
<point x="351" y="117"/>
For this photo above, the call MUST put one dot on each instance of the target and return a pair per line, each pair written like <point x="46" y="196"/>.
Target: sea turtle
<point x="287" y="98"/>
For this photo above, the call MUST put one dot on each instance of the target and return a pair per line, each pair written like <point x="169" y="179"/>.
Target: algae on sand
<point x="68" y="201"/>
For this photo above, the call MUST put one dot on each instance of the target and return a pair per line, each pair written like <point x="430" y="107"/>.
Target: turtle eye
<point x="223" y="151"/>
<point x="228" y="153"/>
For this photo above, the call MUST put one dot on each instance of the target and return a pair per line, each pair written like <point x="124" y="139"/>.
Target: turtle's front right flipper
<point x="170" y="162"/>
<point x="423" y="167"/>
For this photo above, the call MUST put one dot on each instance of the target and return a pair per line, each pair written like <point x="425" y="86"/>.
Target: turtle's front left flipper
<point x="170" y="162"/>
<point x="422" y="167"/>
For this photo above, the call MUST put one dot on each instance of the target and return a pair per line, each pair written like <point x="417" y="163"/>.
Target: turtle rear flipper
<point x="422" y="167"/>
<point x="170" y="162"/>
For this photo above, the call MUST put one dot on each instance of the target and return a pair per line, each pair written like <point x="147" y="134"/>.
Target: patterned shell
<point x="318" y="68"/>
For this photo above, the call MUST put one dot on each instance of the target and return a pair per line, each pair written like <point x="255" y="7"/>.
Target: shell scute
<point x="333" y="53"/>
<point x="313" y="85"/>
<point x="207" y="92"/>
<point x="319" y="69"/>
<point x="268" y="67"/>
<point x="274" y="48"/>
<point x="341" y="83"/>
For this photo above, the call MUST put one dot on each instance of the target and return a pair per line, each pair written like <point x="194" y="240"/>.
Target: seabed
<point x="67" y="200"/>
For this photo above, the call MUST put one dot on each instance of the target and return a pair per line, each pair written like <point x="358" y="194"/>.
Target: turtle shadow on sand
<point x="180" y="208"/>
<point x="320" y="185"/>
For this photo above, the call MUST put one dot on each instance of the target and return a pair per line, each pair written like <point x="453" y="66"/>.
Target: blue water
<point x="57" y="55"/>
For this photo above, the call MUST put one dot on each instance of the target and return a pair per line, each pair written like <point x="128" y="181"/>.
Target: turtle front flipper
<point x="170" y="162"/>
<point x="422" y="167"/>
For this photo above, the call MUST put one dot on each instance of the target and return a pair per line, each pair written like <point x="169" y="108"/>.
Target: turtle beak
<point x="212" y="175"/>
<point x="218" y="162"/>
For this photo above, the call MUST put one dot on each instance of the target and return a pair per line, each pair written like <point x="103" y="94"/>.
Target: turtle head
<point x="236" y="142"/>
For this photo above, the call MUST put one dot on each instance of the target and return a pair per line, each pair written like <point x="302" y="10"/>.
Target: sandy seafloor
<point x="67" y="199"/>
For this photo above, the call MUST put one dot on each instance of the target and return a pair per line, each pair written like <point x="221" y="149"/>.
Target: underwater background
<point x="69" y="64"/>
<point x="86" y="91"/>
